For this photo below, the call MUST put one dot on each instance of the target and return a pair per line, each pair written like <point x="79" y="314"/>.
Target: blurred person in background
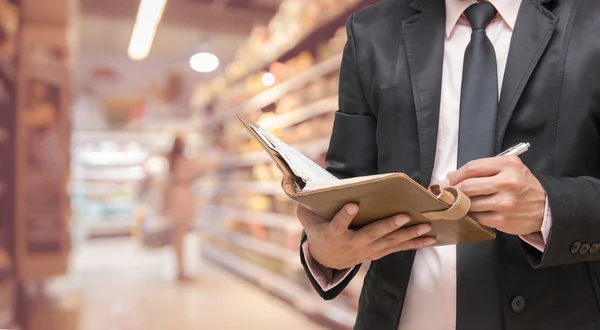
<point x="179" y="205"/>
<point x="436" y="89"/>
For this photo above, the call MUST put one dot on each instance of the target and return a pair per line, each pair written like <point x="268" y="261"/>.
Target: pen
<point x="515" y="150"/>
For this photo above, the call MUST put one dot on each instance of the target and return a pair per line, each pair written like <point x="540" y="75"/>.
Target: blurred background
<point x="130" y="196"/>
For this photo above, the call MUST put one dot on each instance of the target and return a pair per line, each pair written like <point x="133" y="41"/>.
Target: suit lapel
<point x="424" y="35"/>
<point x="533" y="29"/>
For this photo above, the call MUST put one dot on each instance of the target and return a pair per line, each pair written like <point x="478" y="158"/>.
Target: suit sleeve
<point x="575" y="233"/>
<point x="352" y="149"/>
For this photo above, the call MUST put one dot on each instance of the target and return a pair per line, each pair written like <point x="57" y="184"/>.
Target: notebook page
<point x="302" y="166"/>
<point x="316" y="185"/>
<point x="265" y="137"/>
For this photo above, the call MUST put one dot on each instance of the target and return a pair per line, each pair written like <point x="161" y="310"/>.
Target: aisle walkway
<point x="127" y="288"/>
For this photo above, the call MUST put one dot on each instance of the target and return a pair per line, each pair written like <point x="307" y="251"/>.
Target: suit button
<point x="585" y="248"/>
<point x="575" y="247"/>
<point x="396" y="299"/>
<point x="518" y="304"/>
<point x="595" y="247"/>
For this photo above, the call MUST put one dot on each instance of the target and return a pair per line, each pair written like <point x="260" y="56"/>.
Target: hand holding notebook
<point x="334" y="246"/>
<point x="378" y="196"/>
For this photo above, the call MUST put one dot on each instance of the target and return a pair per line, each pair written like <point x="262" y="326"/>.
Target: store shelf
<point x="254" y="187"/>
<point x="285" y="120"/>
<point x="299" y="115"/>
<point x="112" y="228"/>
<point x="159" y="139"/>
<point x="276" y="92"/>
<point x="275" y="220"/>
<point x="252" y="244"/>
<point x="335" y="19"/>
<point x="310" y="149"/>
<point x="283" y="288"/>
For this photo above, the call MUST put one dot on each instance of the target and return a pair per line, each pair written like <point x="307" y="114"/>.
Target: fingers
<point x="488" y="218"/>
<point x="478" y="187"/>
<point x="400" y="236"/>
<point x="376" y="230"/>
<point x="483" y="204"/>
<point x="340" y="223"/>
<point x="482" y="168"/>
<point x="413" y="244"/>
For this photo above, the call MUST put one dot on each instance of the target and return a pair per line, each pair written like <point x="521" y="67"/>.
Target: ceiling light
<point x="147" y="20"/>
<point x="141" y="42"/>
<point x="150" y="12"/>
<point x="204" y="62"/>
<point x="268" y="79"/>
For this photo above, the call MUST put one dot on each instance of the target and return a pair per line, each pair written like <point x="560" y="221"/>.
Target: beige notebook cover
<point x="378" y="196"/>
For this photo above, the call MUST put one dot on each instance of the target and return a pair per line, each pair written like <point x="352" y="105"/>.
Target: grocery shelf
<point x="305" y="301"/>
<point x="285" y="120"/>
<point x="117" y="227"/>
<point x="276" y="220"/>
<point x="311" y="149"/>
<point x="104" y="179"/>
<point x="243" y="160"/>
<point x="268" y="249"/>
<point x="299" y="115"/>
<point x="148" y="137"/>
<point x="256" y="187"/>
<point x="274" y="93"/>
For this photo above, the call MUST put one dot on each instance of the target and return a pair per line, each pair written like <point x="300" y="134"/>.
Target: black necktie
<point x="478" y="296"/>
<point x="479" y="91"/>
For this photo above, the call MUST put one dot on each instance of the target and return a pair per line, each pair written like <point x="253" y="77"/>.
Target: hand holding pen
<point x="515" y="150"/>
<point x="504" y="194"/>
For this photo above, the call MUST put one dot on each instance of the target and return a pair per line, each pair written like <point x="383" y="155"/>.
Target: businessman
<point x="435" y="89"/>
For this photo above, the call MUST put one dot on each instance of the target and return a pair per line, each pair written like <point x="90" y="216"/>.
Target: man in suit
<point x="435" y="89"/>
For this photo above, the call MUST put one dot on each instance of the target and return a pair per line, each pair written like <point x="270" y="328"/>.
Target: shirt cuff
<point x="327" y="278"/>
<point x="539" y="239"/>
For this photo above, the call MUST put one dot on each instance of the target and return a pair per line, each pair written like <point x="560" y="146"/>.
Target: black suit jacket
<point x="390" y="88"/>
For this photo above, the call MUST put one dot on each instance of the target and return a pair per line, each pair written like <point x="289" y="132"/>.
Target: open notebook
<point x="378" y="196"/>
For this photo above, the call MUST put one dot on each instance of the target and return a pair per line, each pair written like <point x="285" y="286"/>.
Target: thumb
<point x="341" y="222"/>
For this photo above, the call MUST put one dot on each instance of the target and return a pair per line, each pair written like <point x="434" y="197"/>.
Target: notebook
<point x="378" y="196"/>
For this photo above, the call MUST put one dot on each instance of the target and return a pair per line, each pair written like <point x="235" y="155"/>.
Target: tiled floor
<point x="127" y="288"/>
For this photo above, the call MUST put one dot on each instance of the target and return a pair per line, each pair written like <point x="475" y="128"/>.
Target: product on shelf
<point x="276" y="173"/>
<point x="262" y="172"/>
<point x="258" y="203"/>
<point x="275" y="266"/>
<point x="338" y="41"/>
<point x="285" y="206"/>
<point x="9" y="20"/>
<point x="317" y="89"/>
<point x="281" y="71"/>
<point x="288" y="103"/>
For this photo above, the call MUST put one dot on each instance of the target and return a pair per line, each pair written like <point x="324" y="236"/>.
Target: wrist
<point x="321" y="260"/>
<point x="316" y="257"/>
<point x="541" y="211"/>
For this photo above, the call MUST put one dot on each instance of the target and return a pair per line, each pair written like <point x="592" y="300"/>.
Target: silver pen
<point x="515" y="150"/>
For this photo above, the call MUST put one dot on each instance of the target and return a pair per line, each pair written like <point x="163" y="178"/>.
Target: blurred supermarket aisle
<point x="125" y="287"/>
